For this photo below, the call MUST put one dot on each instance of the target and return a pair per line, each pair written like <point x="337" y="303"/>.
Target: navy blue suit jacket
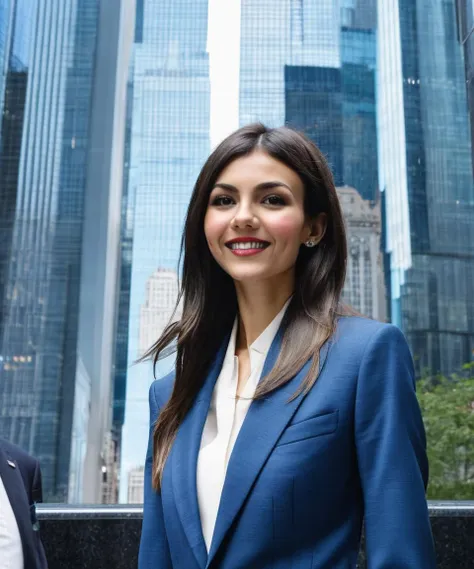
<point x="305" y="473"/>
<point x="21" y="476"/>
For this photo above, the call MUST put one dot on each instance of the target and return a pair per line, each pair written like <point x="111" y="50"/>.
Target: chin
<point x="250" y="276"/>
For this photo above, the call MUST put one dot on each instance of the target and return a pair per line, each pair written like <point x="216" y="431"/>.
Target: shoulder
<point x="358" y="336"/>
<point x="161" y="389"/>
<point x="22" y="458"/>
<point x="361" y="331"/>
<point x="376" y="354"/>
<point x="19" y="455"/>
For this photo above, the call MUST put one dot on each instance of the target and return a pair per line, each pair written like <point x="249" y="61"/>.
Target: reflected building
<point x="426" y="177"/>
<point x="316" y="72"/>
<point x="156" y="312"/>
<point x="169" y="117"/>
<point x="364" y="288"/>
<point x="126" y="244"/>
<point x="359" y="14"/>
<point x="136" y="485"/>
<point x="110" y="471"/>
<point x="59" y="210"/>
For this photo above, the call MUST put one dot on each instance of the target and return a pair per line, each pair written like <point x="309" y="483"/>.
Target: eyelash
<point x="217" y="201"/>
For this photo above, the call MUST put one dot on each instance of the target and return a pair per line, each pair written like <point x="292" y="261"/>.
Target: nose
<point x="245" y="217"/>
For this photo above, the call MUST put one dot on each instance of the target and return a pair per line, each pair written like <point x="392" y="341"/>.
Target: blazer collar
<point x="263" y="425"/>
<point x="183" y="462"/>
<point x="15" y="489"/>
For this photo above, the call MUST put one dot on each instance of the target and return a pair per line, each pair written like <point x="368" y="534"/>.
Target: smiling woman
<point x="288" y="418"/>
<point x="256" y="211"/>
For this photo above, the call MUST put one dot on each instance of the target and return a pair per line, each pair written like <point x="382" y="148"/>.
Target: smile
<point x="247" y="248"/>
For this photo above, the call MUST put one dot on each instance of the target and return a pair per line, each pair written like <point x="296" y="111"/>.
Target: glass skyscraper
<point x="359" y="112"/>
<point x="287" y="33"/>
<point x="42" y="211"/>
<point x="465" y="14"/>
<point x="58" y="208"/>
<point x="168" y="144"/>
<point x="316" y="72"/>
<point x="426" y="175"/>
<point x="313" y="104"/>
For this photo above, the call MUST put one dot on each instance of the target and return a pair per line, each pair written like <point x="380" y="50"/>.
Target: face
<point x="255" y="221"/>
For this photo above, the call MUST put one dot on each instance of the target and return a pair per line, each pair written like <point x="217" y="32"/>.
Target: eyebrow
<point x="259" y="187"/>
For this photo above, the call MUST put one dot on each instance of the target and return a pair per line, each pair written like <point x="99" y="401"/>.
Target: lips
<point x="246" y="243"/>
<point x="245" y="246"/>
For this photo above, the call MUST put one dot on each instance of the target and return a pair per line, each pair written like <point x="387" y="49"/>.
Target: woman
<point x="288" y="419"/>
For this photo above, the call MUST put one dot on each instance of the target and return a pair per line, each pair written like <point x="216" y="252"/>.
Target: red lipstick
<point x="246" y="246"/>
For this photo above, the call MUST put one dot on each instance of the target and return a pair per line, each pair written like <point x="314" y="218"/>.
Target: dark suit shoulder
<point x="16" y="453"/>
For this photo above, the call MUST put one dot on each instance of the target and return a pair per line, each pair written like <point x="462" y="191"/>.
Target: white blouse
<point x="224" y="420"/>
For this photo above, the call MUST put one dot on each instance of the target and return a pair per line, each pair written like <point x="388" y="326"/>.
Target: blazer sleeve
<point x="154" y="550"/>
<point x="391" y="453"/>
<point x="37" y="496"/>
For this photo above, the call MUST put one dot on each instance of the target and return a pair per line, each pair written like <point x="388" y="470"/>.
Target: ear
<point x="316" y="228"/>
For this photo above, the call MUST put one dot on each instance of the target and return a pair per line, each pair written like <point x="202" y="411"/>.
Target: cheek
<point x="287" y="228"/>
<point x="214" y="228"/>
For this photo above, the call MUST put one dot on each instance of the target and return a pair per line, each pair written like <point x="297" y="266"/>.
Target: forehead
<point x="256" y="168"/>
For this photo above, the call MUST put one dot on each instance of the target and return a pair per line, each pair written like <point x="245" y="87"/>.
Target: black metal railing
<point x="107" y="537"/>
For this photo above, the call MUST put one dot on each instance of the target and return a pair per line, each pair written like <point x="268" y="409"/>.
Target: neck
<point x="259" y="302"/>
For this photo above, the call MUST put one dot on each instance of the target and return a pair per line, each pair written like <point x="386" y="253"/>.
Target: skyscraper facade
<point x="169" y="142"/>
<point x="123" y="307"/>
<point x="359" y="112"/>
<point x="288" y="33"/>
<point x="465" y="17"/>
<point x="57" y="262"/>
<point x="364" y="288"/>
<point x="316" y="72"/>
<point x="426" y="175"/>
<point x="313" y="104"/>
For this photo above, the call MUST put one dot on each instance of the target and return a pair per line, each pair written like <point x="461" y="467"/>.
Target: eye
<point x="222" y="201"/>
<point x="274" y="200"/>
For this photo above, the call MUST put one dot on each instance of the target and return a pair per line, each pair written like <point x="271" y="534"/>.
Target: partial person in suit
<point x="20" y="490"/>
<point x="289" y="419"/>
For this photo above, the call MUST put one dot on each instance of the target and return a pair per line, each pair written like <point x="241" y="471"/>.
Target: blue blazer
<point x="21" y="476"/>
<point x="305" y="473"/>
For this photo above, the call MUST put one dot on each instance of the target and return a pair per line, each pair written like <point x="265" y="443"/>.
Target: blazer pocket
<point x="323" y="424"/>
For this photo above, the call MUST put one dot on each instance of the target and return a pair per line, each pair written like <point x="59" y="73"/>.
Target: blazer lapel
<point x="263" y="425"/>
<point x="183" y="458"/>
<point x="15" y="489"/>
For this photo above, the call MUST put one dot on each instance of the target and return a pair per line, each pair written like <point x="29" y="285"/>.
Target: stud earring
<point x="310" y="243"/>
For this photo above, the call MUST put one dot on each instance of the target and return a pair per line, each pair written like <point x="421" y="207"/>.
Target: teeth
<point x="250" y="245"/>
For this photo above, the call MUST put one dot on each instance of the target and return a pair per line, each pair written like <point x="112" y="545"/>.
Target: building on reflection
<point x="426" y="179"/>
<point x="168" y="143"/>
<point x="59" y="207"/>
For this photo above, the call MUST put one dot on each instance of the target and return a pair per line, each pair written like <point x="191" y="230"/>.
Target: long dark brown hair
<point x="208" y="293"/>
